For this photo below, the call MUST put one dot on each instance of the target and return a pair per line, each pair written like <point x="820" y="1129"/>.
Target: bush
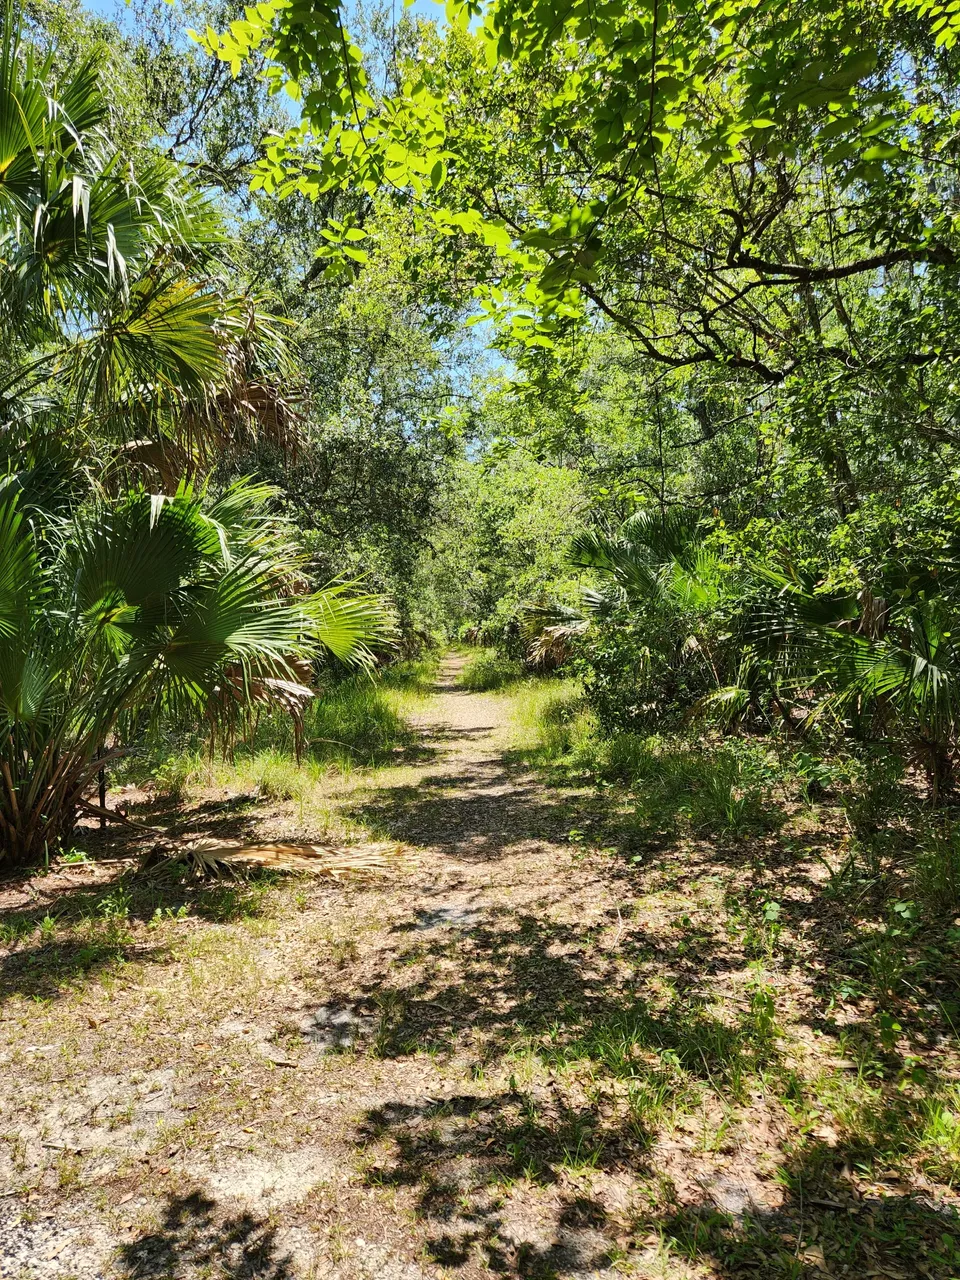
<point x="711" y="788"/>
<point x="641" y="672"/>
<point x="552" y="722"/>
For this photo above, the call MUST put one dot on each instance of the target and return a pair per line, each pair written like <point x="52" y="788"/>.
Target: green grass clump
<point x="937" y="867"/>
<point x="708" y="787"/>
<point x="550" y="720"/>
<point x="487" y="670"/>
<point x="356" y="720"/>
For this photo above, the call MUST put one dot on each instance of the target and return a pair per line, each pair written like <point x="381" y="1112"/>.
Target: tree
<point x="117" y="329"/>
<point x="696" y="175"/>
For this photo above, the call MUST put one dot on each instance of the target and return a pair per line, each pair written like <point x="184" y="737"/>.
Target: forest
<point x="480" y="639"/>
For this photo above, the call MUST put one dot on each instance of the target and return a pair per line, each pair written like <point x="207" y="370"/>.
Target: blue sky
<point x="114" y="8"/>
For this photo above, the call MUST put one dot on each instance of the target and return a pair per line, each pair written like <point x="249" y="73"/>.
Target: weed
<point x="487" y="670"/>
<point x="162" y="914"/>
<point x="69" y="1171"/>
<point x="115" y="906"/>
<point x="762" y="1014"/>
<point x="936" y="868"/>
<point x="15" y="928"/>
<point x="354" y="720"/>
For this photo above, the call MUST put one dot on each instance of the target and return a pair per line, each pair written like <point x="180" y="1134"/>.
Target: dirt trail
<point x="469" y="801"/>
<point x="516" y="1055"/>
<point x="357" y="1112"/>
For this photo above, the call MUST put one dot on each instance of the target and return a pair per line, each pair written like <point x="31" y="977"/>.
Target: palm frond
<point x="348" y="623"/>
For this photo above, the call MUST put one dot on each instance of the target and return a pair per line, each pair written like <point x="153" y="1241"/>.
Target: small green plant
<point x="889" y="1030"/>
<point x="487" y="670"/>
<point x="162" y="914"/>
<point x="14" y="929"/>
<point x="762" y="1013"/>
<point x="817" y="776"/>
<point x="115" y="905"/>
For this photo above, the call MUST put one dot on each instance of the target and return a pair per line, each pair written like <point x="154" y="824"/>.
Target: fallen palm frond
<point x="210" y="859"/>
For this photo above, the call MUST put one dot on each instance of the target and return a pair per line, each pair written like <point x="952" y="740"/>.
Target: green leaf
<point x="882" y="151"/>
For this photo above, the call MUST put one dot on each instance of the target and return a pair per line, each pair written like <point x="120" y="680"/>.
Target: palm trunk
<point x="40" y="790"/>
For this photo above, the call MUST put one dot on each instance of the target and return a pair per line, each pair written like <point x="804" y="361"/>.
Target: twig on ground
<point x="114" y="816"/>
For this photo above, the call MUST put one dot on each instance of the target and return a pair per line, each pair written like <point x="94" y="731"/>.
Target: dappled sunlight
<point x="544" y="1044"/>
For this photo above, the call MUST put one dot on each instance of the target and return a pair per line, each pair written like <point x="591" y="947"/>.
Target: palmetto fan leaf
<point x="20" y="583"/>
<point x="550" y="631"/>
<point x="650" y="556"/>
<point x="34" y="122"/>
<point x="667" y="535"/>
<point x="152" y="608"/>
<point x="901" y="668"/>
<point x="348" y="622"/>
<point x="161" y="344"/>
<point x="653" y="559"/>
<point x="136" y="557"/>
<point x="914" y="668"/>
<point x="634" y="575"/>
<point x="111" y="292"/>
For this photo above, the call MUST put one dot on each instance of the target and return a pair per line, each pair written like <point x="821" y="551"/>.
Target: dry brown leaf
<point x="814" y="1254"/>
<point x="208" y="856"/>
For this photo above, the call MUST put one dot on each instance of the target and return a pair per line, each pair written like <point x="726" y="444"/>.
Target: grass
<point x="677" y="784"/>
<point x="878" y="877"/>
<point x="355" y="722"/>
<point x="486" y="671"/>
<point x="639" y="1036"/>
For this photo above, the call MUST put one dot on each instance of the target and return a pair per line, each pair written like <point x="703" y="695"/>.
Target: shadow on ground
<point x="196" y="1237"/>
<point x="69" y="925"/>
<point x="460" y="1157"/>
<point x="822" y="1227"/>
<point x="473" y="1166"/>
<point x="481" y="812"/>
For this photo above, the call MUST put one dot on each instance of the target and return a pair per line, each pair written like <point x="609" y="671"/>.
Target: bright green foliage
<point x="487" y="670"/>
<point x="887" y="667"/>
<point x="145" y="609"/>
<point x="590" y="147"/>
<point x="115" y="326"/>
<point x="510" y="540"/>
<point x="126" y="355"/>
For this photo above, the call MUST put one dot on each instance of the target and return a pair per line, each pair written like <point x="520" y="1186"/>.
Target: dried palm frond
<point x="554" y="645"/>
<point x="213" y="859"/>
<point x="550" y="631"/>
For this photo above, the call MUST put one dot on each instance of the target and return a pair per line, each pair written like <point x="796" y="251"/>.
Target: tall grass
<point x="710" y="787"/>
<point x="550" y="721"/>
<point x="487" y="670"/>
<point x="356" y="721"/>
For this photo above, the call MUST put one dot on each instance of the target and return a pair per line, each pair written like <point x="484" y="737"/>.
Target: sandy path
<point x="393" y="1147"/>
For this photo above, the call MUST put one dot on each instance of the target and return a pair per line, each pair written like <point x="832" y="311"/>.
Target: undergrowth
<point x="487" y="670"/>
<point x="358" y="720"/>
<point x="814" y="851"/>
